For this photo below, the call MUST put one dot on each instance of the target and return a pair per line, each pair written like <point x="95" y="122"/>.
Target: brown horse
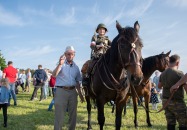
<point x="108" y="81"/>
<point x="158" y="62"/>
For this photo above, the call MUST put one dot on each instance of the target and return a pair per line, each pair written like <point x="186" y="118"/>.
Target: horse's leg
<point x="125" y="107"/>
<point x="89" y="112"/>
<point x="119" y="109"/>
<point x="147" y="99"/>
<point x="100" y="113"/>
<point x="135" y="111"/>
<point x="113" y="108"/>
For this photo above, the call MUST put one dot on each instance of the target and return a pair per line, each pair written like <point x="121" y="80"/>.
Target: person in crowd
<point x="52" y="103"/>
<point x="4" y="98"/>
<point x="156" y="81"/>
<point x="47" y="89"/>
<point x="52" y="82"/>
<point x="46" y="84"/>
<point x="12" y="74"/>
<point x="154" y="97"/>
<point x="28" y="80"/>
<point x="67" y="84"/>
<point x="22" y="79"/>
<point x="1" y="73"/>
<point x="176" y="108"/>
<point x="50" y="90"/>
<point x="39" y="78"/>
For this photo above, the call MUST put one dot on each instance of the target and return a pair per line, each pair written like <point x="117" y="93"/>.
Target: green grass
<point x="34" y="116"/>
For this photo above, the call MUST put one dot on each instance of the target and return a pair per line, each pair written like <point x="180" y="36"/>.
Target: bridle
<point x="133" y="50"/>
<point x="164" y="61"/>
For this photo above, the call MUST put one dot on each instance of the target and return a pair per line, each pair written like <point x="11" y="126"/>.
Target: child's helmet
<point x="101" y="25"/>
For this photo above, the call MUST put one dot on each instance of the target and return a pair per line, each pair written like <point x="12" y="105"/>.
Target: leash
<point x="163" y="107"/>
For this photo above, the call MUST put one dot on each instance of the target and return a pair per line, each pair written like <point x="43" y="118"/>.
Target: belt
<point x="66" y="87"/>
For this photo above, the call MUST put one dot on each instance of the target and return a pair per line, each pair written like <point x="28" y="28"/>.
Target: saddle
<point x="87" y="70"/>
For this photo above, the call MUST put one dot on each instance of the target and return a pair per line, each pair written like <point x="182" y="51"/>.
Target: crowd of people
<point x="67" y="77"/>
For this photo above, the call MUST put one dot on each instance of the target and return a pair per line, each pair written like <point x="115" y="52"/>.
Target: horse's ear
<point x="167" y="54"/>
<point x="137" y="26"/>
<point x="162" y="53"/>
<point x="118" y="26"/>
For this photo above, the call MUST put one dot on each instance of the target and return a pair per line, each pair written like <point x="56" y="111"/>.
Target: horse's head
<point x="129" y="52"/>
<point x="162" y="61"/>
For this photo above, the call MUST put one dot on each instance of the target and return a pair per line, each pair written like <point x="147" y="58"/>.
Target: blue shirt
<point x="156" y="81"/>
<point x="69" y="75"/>
<point x="4" y="94"/>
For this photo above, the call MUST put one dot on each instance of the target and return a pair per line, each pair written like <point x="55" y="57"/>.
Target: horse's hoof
<point x="149" y="125"/>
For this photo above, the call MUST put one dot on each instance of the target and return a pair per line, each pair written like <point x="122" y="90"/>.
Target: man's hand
<point x="99" y="46"/>
<point x="174" y="88"/>
<point x="62" y="59"/>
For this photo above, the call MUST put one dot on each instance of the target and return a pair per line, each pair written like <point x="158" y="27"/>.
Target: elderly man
<point x="68" y="79"/>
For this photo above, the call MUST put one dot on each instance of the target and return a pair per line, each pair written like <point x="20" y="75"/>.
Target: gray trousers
<point x="65" y="99"/>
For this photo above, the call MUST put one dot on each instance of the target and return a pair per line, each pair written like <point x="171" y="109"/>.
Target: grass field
<point x="34" y="116"/>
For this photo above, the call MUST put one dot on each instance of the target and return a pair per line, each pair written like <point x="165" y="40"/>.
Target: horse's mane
<point x="112" y="52"/>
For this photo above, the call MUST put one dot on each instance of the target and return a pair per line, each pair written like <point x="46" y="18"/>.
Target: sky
<point x="36" y="32"/>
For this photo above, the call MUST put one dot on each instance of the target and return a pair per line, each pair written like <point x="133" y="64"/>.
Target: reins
<point x="163" y="107"/>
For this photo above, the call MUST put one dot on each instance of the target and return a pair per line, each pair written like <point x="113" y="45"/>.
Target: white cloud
<point x="8" y="18"/>
<point x="65" y="18"/>
<point x="140" y="8"/>
<point x="68" y="18"/>
<point x="172" y="25"/>
<point x="178" y="3"/>
<point x="29" y="52"/>
<point x="95" y="9"/>
<point x="110" y="19"/>
<point x="7" y="37"/>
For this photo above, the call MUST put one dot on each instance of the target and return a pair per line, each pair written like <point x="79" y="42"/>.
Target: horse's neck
<point x="114" y="68"/>
<point x="148" y="70"/>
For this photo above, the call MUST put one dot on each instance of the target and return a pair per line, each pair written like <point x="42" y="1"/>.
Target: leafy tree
<point x="2" y="61"/>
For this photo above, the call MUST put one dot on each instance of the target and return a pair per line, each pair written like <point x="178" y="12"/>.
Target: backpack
<point x="52" y="81"/>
